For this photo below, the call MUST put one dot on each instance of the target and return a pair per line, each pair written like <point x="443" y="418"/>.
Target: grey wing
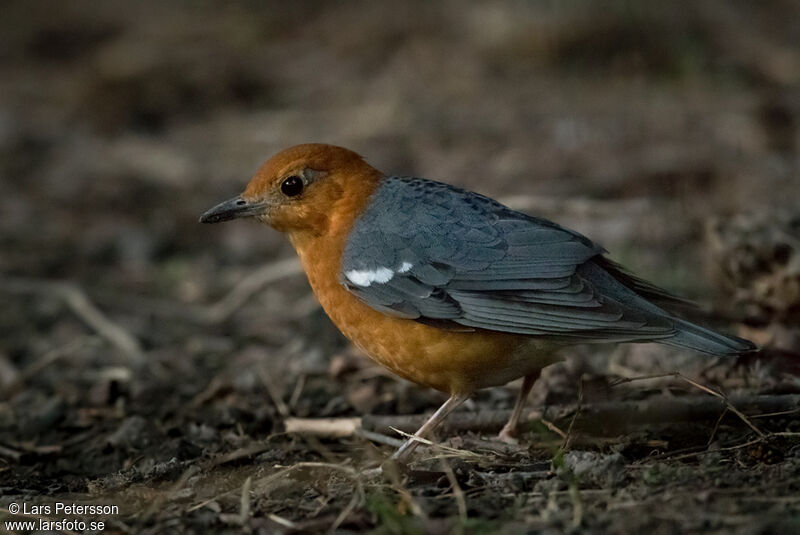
<point x="426" y="251"/>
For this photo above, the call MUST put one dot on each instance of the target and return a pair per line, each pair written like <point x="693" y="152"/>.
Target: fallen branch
<point x="678" y="375"/>
<point x="608" y="418"/>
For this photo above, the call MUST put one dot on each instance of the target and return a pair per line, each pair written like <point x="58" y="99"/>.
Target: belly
<point x="450" y="361"/>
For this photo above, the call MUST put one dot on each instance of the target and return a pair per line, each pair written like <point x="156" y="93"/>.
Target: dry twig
<point x="77" y="301"/>
<point x="568" y="435"/>
<point x="325" y="427"/>
<point x="44" y="361"/>
<point x="458" y="494"/>
<point x="246" y="288"/>
<point x="273" y="393"/>
<point x="226" y="306"/>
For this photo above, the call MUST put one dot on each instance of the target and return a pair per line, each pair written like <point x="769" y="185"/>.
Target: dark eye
<point x="292" y="186"/>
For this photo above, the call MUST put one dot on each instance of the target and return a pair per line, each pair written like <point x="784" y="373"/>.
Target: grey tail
<point x="698" y="338"/>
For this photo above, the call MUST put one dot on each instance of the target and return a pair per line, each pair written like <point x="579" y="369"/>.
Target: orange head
<point x="300" y="189"/>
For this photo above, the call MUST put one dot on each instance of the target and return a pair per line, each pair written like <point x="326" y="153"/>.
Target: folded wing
<point x="427" y="251"/>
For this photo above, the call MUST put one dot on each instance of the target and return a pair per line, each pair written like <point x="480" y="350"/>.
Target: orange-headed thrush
<point x="448" y="288"/>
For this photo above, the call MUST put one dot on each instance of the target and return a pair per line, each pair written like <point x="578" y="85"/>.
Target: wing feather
<point x="458" y="258"/>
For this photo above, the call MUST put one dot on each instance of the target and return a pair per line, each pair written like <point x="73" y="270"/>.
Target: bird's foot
<point x="508" y="435"/>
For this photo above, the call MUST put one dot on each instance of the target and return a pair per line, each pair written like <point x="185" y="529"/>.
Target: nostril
<point x="240" y="202"/>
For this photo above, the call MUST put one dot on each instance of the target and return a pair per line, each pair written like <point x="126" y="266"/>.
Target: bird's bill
<point x="233" y="209"/>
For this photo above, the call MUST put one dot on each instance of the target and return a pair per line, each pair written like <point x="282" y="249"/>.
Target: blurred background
<point x="135" y="344"/>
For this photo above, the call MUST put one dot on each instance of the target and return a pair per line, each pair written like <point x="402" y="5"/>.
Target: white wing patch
<point x="381" y="275"/>
<point x="366" y="277"/>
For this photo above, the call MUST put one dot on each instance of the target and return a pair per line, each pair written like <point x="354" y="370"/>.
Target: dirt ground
<point x="151" y="363"/>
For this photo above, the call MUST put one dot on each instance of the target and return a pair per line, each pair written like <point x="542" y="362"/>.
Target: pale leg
<point x="402" y="454"/>
<point x="509" y="432"/>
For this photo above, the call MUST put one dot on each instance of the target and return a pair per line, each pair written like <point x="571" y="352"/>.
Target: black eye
<point x="292" y="186"/>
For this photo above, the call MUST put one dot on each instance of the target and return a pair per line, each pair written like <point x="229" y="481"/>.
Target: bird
<point x="448" y="288"/>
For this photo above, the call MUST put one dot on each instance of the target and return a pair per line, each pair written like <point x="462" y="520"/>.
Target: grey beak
<point x="232" y="209"/>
